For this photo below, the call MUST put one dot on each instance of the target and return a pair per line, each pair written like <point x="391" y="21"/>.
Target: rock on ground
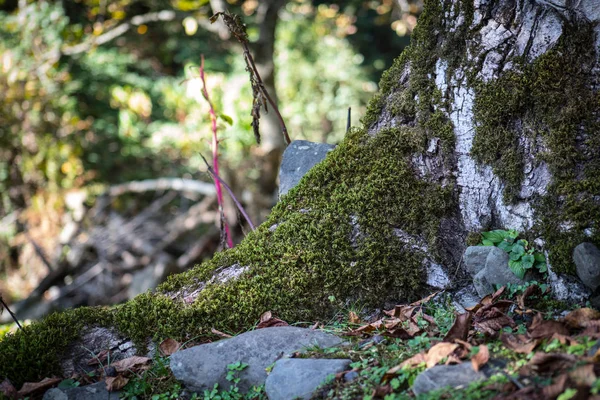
<point x="97" y="391"/>
<point x="298" y="378"/>
<point x="200" y="367"/>
<point x="298" y="158"/>
<point x="493" y="271"/>
<point x="587" y="260"/>
<point x="442" y="376"/>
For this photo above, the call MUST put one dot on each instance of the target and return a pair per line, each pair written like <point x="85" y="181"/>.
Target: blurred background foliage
<point x="99" y="92"/>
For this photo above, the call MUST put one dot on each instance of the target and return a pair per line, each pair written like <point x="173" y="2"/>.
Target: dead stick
<point x="11" y="313"/>
<point x="226" y="186"/>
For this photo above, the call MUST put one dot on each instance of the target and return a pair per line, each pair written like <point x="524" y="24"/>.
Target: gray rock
<point x="350" y="376"/>
<point x="567" y="288"/>
<point x="482" y="286"/>
<point x="200" y="367"/>
<point x="587" y="260"/>
<point x="496" y="269"/>
<point x="298" y="378"/>
<point x="97" y="391"/>
<point x="465" y="298"/>
<point x="298" y="158"/>
<point x="474" y="258"/>
<point x="442" y="376"/>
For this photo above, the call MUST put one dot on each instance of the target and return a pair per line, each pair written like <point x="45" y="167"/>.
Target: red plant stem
<point x="215" y="152"/>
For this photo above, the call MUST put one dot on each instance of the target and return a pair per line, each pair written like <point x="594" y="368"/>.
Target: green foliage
<point x="522" y="256"/>
<point x="233" y="393"/>
<point x="157" y="383"/>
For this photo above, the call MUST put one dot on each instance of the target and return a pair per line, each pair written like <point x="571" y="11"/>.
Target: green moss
<point x="553" y="102"/>
<point x="362" y="191"/>
<point x="32" y="354"/>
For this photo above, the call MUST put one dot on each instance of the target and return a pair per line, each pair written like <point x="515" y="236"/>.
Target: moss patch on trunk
<point x="551" y="101"/>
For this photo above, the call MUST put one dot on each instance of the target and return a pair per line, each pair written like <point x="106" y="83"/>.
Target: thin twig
<point x="215" y="153"/>
<point x="259" y="92"/>
<point x="235" y="200"/>
<point x="14" y="317"/>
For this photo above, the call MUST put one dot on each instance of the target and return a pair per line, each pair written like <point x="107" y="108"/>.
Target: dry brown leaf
<point x="415" y="360"/>
<point x="353" y="318"/>
<point x="544" y="329"/>
<point x="439" y="352"/>
<point x="315" y="326"/>
<point x="490" y="319"/>
<point x="519" y="343"/>
<point x="554" y="390"/>
<point x="268" y="321"/>
<point x="524" y="299"/>
<point x="425" y="300"/>
<point x="32" y="387"/>
<point x="114" y="383"/>
<point x="581" y="317"/>
<point x="460" y="328"/>
<point x="368" y="328"/>
<point x="481" y="358"/>
<point x="7" y="388"/>
<point x="220" y="334"/>
<point x="130" y="363"/>
<point x="99" y="358"/>
<point x="551" y="362"/>
<point x="403" y="312"/>
<point x="169" y="346"/>
<point x="583" y="375"/>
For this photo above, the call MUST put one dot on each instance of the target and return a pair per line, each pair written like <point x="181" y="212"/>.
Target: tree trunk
<point x="488" y="120"/>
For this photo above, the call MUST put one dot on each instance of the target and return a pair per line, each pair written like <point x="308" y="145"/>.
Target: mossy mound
<point x="363" y="190"/>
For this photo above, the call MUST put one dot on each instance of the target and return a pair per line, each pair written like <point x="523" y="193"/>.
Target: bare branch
<point x="165" y="15"/>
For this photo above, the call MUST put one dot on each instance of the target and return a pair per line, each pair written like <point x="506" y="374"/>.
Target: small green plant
<point x="233" y="372"/>
<point x="522" y="256"/>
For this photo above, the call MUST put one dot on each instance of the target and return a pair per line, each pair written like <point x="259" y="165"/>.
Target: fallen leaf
<point x="315" y="326"/>
<point x="551" y="362"/>
<point x="7" y="388"/>
<point x="528" y="294"/>
<point x="415" y="360"/>
<point x="130" y="363"/>
<point x="268" y="321"/>
<point x="481" y="358"/>
<point x="490" y="319"/>
<point x="581" y="317"/>
<point x="220" y="334"/>
<point x="460" y="328"/>
<point x="353" y="318"/>
<point x="558" y="387"/>
<point x="115" y="383"/>
<point x="584" y="375"/>
<point x="99" y="358"/>
<point x="403" y="312"/>
<point x="169" y="346"/>
<point x="31" y="387"/>
<point x="519" y="343"/>
<point x="439" y="352"/>
<point x="382" y="391"/>
<point x="425" y="300"/>
<point x="544" y="329"/>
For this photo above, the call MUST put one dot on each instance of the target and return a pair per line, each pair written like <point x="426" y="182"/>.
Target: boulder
<point x="474" y="258"/>
<point x="489" y="266"/>
<point x="587" y="260"/>
<point x="200" y="367"/>
<point x="97" y="391"/>
<point x="299" y="157"/>
<point x="442" y="376"/>
<point x="298" y="378"/>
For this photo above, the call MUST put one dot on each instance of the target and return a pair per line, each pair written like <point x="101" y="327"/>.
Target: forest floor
<point x="527" y="345"/>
